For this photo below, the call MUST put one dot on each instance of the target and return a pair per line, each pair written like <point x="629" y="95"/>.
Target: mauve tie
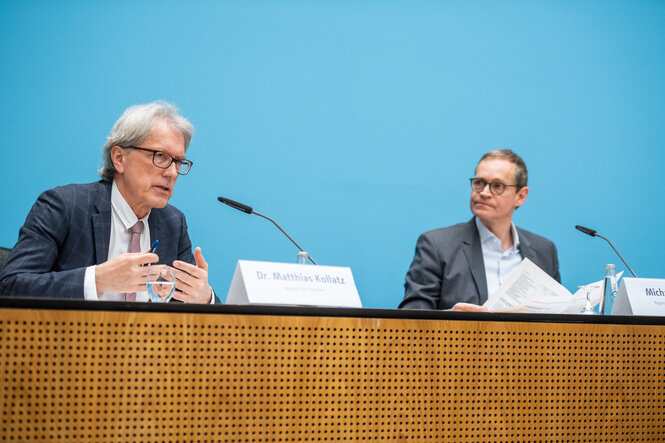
<point x="134" y="246"/>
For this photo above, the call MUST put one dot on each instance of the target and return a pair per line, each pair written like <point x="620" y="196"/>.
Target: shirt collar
<point x="123" y="210"/>
<point x="486" y="234"/>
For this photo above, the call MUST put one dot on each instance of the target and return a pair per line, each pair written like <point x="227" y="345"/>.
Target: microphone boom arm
<point x="248" y="210"/>
<point x="284" y="232"/>
<point x="615" y="250"/>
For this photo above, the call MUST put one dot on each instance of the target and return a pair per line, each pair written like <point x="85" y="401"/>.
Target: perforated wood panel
<point x="125" y="376"/>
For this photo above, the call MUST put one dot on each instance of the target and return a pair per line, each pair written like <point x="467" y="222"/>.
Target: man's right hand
<point x="124" y="273"/>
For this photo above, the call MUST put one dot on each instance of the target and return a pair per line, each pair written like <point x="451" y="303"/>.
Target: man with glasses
<point x="93" y="241"/>
<point x="458" y="266"/>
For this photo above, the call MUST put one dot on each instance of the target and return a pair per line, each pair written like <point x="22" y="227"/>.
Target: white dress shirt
<point x="499" y="264"/>
<point x="122" y="218"/>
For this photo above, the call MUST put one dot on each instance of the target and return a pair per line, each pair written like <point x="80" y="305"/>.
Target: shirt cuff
<point x="89" y="284"/>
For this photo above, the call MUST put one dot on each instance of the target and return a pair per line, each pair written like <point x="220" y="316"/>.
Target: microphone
<point x="248" y="210"/>
<point x="593" y="233"/>
<point x="236" y="205"/>
<point x="587" y="231"/>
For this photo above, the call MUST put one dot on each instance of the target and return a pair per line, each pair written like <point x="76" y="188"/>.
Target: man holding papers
<point x="458" y="266"/>
<point x="93" y="241"/>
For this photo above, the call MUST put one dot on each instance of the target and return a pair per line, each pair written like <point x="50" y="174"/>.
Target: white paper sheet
<point x="529" y="289"/>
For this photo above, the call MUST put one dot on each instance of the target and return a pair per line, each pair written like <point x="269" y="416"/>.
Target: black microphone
<point x="236" y="205"/>
<point x="248" y="210"/>
<point x="587" y="231"/>
<point x="593" y="233"/>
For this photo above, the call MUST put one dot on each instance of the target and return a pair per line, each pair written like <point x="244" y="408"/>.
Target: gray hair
<point x="521" y="173"/>
<point x="134" y="126"/>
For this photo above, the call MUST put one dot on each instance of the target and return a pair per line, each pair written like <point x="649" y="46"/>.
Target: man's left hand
<point x="192" y="281"/>
<point x="469" y="307"/>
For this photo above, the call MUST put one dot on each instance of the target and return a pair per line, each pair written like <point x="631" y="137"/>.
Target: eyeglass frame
<point x="503" y="186"/>
<point x="178" y="163"/>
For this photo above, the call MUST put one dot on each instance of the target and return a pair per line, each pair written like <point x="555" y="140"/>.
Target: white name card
<point x="292" y="284"/>
<point x="640" y="296"/>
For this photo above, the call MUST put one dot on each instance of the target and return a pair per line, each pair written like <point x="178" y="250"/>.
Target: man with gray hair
<point x="92" y="241"/>
<point x="458" y="266"/>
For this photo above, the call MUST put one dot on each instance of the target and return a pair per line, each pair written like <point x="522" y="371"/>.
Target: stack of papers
<point x="529" y="289"/>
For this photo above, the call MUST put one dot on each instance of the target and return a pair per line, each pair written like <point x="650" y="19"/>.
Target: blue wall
<point x="355" y="124"/>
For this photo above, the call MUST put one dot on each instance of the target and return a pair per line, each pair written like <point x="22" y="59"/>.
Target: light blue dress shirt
<point x="499" y="264"/>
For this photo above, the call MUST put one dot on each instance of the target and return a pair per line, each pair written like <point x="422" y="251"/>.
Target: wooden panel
<point x="103" y="376"/>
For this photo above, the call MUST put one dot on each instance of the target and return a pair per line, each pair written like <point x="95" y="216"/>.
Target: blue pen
<point x="153" y="248"/>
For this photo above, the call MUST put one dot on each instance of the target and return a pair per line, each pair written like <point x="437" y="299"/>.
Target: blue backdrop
<point x="355" y="124"/>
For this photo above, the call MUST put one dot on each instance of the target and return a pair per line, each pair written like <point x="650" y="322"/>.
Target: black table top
<point x="317" y="311"/>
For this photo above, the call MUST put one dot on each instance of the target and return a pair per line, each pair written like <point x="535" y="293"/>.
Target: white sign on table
<point x="259" y="282"/>
<point x="640" y="296"/>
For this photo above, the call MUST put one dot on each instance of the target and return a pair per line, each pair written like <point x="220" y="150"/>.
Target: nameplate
<point x="640" y="296"/>
<point x="256" y="282"/>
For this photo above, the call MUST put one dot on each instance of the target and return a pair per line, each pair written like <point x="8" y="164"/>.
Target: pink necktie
<point x="134" y="246"/>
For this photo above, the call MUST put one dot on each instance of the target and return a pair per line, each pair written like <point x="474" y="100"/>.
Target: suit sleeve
<point x="30" y="269"/>
<point x="423" y="280"/>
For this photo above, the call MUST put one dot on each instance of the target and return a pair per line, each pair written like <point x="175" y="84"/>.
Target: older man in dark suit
<point x="459" y="266"/>
<point x="91" y="241"/>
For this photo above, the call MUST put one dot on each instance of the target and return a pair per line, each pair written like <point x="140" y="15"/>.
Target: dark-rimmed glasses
<point x="496" y="188"/>
<point x="163" y="160"/>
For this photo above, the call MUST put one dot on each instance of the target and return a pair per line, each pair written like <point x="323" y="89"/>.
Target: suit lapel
<point x="525" y="247"/>
<point x="154" y="221"/>
<point x="474" y="256"/>
<point x="101" y="222"/>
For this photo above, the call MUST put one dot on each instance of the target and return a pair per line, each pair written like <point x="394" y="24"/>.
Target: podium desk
<point x="73" y="371"/>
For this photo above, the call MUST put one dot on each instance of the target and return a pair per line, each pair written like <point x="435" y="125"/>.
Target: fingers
<point x="184" y="297"/>
<point x="186" y="279"/>
<point x="124" y="273"/>
<point x="469" y="307"/>
<point x="192" y="280"/>
<point x="145" y="258"/>
<point x="200" y="261"/>
<point x="200" y="292"/>
<point x="201" y="264"/>
<point x="191" y="274"/>
<point x="135" y="271"/>
<point x="188" y="267"/>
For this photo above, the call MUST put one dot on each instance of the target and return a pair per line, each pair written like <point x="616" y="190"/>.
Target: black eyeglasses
<point x="496" y="188"/>
<point x="163" y="160"/>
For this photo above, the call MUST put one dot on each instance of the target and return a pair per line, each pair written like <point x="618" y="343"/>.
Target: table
<point x="115" y="371"/>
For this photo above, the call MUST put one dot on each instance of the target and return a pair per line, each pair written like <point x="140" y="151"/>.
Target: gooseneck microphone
<point x="248" y="210"/>
<point x="592" y="233"/>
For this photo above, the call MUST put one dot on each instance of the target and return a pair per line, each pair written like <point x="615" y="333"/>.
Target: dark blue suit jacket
<point x="69" y="229"/>
<point x="448" y="266"/>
